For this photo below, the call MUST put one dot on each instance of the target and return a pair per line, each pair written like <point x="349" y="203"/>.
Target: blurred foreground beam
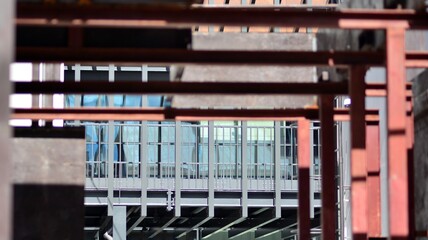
<point x="170" y="56"/>
<point x="236" y="16"/>
<point x="160" y="114"/>
<point x="181" y="56"/>
<point x="180" y="88"/>
<point x="328" y="171"/>
<point x="336" y="88"/>
<point x="6" y="52"/>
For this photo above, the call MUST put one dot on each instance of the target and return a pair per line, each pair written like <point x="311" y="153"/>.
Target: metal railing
<point x="194" y="148"/>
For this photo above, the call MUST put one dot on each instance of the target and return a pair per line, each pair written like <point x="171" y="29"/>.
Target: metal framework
<point x="231" y="16"/>
<point x="161" y="114"/>
<point x="333" y="88"/>
<point x="365" y="167"/>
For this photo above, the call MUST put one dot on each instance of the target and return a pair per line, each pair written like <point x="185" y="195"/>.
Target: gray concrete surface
<point x="49" y="177"/>
<point x="246" y="41"/>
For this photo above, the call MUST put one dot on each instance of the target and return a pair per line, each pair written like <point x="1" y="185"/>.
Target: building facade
<point x="187" y="179"/>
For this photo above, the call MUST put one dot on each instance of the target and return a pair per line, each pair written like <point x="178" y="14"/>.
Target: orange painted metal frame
<point x="365" y="155"/>
<point x="373" y="180"/>
<point x="160" y="114"/>
<point x="304" y="161"/>
<point x="396" y="123"/>
<point x="358" y="153"/>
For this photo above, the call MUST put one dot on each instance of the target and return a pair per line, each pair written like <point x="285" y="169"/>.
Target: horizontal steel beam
<point x="417" y="59"/>
<point x="196" y="226"/>
<point x="163" y="227"/>
<point x="379" y="90"/>
<point x="105" y="37"/>
<point x="169" y="56"/>
<point x="337" y="88"/>
<point x="251" y="224"/>
<point x="176" y="88"/>
<point x="38" y="20"/>
<point x="382" y="86"/>
<point x="237" y="16"/>
<point x="160" y="114"/>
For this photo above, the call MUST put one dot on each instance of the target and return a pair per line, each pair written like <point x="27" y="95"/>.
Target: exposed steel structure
<point x="373" y="180"/>
<point x="364" y="123"/>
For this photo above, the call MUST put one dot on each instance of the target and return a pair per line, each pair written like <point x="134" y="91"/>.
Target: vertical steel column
<point x="277" y="159"/>
<point x="110" y="150"/>
<point x="244" y="169"/>
<point x="211" y="167"/>
<point x="119" y="222"/>
<point x="35" y="98"/>
<point x="309" y="3"/>
<point x="144" y="78"/>
<point x="237" y="152"/>
<point x="311" y="171"/>
<point x="303" y="161"/>
<point x="243" y="28"/>
<point x="373" y="180"/>
<point x="50" y="72"/>
<point x="358" y="153"/>
<point x="144" y="135"/>
<point x="276" y="3"/>
<point x="411" y="175"/>
<point x="328" y="169"/>
<point x="397" y="147"/>
<point x="211" y="28"/>
<point x="45" y="100"/>
<point x="144" y="171"/>
<point x="7" y="27"/>
<point x="177" y="199"/>
<point x="77" y="97"/>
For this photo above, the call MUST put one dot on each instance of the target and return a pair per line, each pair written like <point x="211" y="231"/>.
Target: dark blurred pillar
<point x="6" y="53"/>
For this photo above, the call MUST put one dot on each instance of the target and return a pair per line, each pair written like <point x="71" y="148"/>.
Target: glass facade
<point x="193" y="140"/>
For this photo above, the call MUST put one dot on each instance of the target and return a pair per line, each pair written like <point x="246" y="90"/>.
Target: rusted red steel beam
<point x="336" y="88"/>
<point x="358" y="153"/>
<point x="383" y="93"/>
<point x="328" y="170"/>
<point x="379" y="90"/>
<point x="54" y="87"/>
<point x="169" y="56"/>
<point x="417" y="59"/>
<point x="382" y="86"/>
<point x="159" y="114"/>
<point x="373" y="180"/>
<point x="417" y="63"/>
<point x="396" y="123"/>
<point x="236" y="16"/>
<point x="411" y="180"/>
<point x="304" y="161"/>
